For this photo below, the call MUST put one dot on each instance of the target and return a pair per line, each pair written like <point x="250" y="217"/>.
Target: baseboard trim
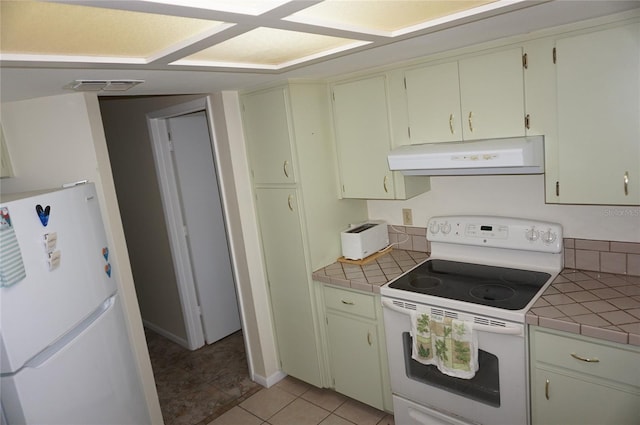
<point x="175" y="338"/>
<point x="269" y="381"/>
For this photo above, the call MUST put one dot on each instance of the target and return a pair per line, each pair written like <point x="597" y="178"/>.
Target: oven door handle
<point x="507" y="330"/>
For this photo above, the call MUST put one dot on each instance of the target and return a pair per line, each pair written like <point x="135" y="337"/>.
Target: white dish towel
<point x="449" y="344"/>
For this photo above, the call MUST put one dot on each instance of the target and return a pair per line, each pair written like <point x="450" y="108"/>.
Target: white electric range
<point x="488" y="271"/>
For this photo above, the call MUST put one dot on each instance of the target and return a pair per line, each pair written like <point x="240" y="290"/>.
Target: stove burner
<point x="492" y="292"/>
<point x="425" y="282"/>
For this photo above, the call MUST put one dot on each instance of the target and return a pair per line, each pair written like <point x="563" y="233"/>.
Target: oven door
<point x="496" y="395"/>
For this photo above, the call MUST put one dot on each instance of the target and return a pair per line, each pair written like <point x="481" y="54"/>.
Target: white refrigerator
<point x="65" y="356"/>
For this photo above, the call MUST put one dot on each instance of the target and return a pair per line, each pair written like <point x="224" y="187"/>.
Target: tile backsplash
<point x="602" y="256"/>
<point x="409" y="238"/>
<point x="583" y="254"/>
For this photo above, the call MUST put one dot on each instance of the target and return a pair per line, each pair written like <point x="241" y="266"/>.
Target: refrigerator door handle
<point x="66" y="339"/>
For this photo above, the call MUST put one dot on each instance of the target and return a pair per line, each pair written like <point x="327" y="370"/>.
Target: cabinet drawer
<point x="617" y="363"/>
<point x="350" y="302"/>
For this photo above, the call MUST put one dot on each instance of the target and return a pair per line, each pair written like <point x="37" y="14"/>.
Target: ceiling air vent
<point x="102" y="85"/>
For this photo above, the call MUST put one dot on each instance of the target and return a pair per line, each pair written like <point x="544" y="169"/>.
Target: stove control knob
<point x="532" y="234"/>
<point x="445" y="228"/>
<point x="434" y="228"/>
<point x="549" y="237"/>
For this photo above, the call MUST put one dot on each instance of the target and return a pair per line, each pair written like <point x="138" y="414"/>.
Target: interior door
<point x="204" y="225"/>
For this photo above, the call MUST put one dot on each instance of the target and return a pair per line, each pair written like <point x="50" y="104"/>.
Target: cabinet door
<point x="354" y="358"/>
<point x="289" y="283"/>
<point x="598" y="80"/>
<point x="363" y="138"/>
<point x="563" y="400"/>
<point x="492" y="95"/>
<point x="433" y="103"/>
<point x="267" y="127"/>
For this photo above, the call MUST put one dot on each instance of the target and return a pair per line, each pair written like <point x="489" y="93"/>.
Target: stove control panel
<point x="497" y="232"/>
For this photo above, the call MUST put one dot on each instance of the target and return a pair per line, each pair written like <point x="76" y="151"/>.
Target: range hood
<point x="515" y="155"/>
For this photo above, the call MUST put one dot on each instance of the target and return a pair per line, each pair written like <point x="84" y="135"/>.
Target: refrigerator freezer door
<point x="92" y="380"/>
<point x="66" y="278"/>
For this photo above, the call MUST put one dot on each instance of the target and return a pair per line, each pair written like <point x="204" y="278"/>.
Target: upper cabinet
<point x="478" y="97"/>
<point x="363" y="140"/>
<point x="598" y="98"/>
<point x="269" y="136"/>
<point x="433" y="103"/>
<point x="492" y="95"/>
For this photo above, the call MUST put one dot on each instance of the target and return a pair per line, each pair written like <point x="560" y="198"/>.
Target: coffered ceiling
<point x="266" y="35"/>
<point x="200" y="46"/>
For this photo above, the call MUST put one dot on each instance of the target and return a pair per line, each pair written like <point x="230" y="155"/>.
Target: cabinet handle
<point x="348" y="302"/>
<point x="585" y="359"/>
<point x="285" y="167"/>
<point x="289" y="202"/>
<point x="451" y="123"/>
<point x="546" y="389"/>
<point x="471" y="121"/>
<point x="384" y="184"/>
<point x="369" y="339"/>
<point x="626" y="183"/>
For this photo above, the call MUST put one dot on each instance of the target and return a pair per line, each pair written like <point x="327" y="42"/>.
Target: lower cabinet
<point x="581" y="380"/>
<point x="356" y="346"/>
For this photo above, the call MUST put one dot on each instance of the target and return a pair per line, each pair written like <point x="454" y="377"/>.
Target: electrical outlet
<point x="407" y="217"/>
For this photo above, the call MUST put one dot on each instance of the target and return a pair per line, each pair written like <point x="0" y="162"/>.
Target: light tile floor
<point x="293" y="402"/>
<point x="211" y="386"/>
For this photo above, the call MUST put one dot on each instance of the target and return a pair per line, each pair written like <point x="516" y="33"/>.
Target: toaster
<point x="362" y="240"/>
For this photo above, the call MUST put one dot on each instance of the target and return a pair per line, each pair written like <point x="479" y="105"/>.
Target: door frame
<point x="169" y="192"/>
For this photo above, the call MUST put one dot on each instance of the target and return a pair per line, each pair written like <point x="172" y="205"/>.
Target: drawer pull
<point x="348" y="302"/>
<point x="546" y="389"/>
<point x="369" y="338"/>
<point x="471" y="121"/>
<point x="584" y="359"/>
<point x="290" y="202"/>
<point x="451" y="123"/>
<point x="285" y="167"/>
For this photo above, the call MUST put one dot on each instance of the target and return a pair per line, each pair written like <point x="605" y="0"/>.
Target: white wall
<point x="252" y="281"/>
<point x="517" y="196"/>
<point x="60" y="139"/>
<point x="129" y="142"/>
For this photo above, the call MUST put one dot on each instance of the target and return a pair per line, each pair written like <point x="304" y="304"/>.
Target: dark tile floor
<point x="211" y="386"/>
<point x="196" y="387"/>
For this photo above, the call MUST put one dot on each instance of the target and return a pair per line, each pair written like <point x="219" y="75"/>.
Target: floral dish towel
<point x="449" y="344"/>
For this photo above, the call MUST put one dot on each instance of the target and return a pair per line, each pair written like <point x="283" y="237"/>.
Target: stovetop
<point x="499" y="287"/>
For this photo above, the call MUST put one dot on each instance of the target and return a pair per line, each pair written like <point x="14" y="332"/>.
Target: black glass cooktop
<point x="500" y="287"/>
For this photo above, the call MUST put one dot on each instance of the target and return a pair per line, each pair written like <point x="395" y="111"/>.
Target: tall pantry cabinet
<point x="291" y="157"/>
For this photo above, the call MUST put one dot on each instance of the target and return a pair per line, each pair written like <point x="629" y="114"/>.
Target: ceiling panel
<point x="382" y="16"/>
<point x="69" y="30"/>
<point x="268" y="47"/>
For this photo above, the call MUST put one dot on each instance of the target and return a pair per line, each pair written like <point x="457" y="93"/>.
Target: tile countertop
<point x="595" y="304"/>
<point x="371" y="276"/>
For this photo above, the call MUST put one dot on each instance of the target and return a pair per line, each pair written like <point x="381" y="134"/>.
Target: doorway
<point x="185" y="162"/>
